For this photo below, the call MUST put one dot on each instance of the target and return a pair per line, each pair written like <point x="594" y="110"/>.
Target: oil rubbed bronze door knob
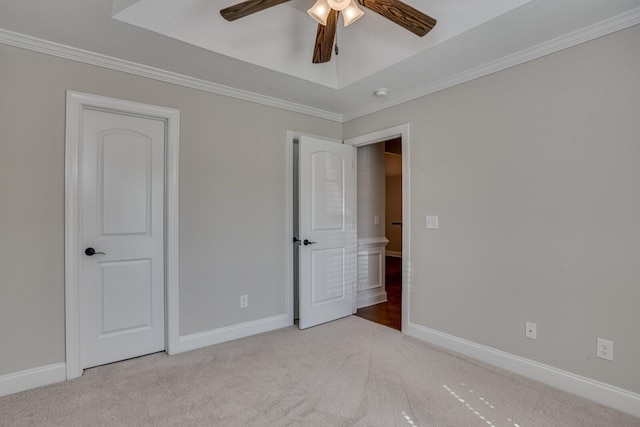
<point x="92" y="252"/>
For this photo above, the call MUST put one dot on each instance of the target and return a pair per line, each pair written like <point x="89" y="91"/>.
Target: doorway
<point x="380" y="166"/>
<point x="121" y="234"/>
<point x="399" y="131"/>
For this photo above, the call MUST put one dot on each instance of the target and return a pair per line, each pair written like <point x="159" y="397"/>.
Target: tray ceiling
<point x="281" y="38"/>
<point x="266" y="58"/>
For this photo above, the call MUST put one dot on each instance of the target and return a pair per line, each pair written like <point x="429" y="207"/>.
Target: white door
<point x="122" y="284"/>
<point x="327" y="230"/>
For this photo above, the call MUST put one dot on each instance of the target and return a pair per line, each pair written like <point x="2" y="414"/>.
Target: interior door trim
<point x="402" y="131"/>
<point x="77" y="102"/>
<point x="407" y="266"/>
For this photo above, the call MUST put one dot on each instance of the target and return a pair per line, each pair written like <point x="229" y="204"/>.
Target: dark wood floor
<point x="388" y="313"/>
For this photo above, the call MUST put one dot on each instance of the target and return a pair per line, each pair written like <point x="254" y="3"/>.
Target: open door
<point x="327" y="230"/>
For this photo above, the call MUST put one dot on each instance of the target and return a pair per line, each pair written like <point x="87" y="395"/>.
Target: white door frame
<point x="76" y="103"/>
<point x="401" y="131"/>
<point x="382" y="135"/>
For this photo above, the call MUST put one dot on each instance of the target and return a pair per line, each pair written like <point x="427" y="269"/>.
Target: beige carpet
<point x="350" y="372"/>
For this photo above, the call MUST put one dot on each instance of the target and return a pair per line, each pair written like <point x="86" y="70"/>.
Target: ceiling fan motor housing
<point x="338" y="4"/>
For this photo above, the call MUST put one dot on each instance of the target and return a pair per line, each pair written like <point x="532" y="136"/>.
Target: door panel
<point x="327" y="264"/>
<point x="125" y="182"/>
<point x="123" y="289"/>
<point x="327" y="281"/>
<point x="327" y="192"/>
<point x="127" y="286"/>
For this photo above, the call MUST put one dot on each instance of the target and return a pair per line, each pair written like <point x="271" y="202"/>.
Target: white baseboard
<point x="394" y="254"/>
<point x="371" y="299"/>
<point x="605" y="394"/>
<point x="32" y="378"/>
<point x="228" y="333"/>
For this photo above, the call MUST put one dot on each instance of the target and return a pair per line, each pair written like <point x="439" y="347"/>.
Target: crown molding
<point x="577" y="37"/>
<point x="608" y="26"/>
<point x="67" y="52"/>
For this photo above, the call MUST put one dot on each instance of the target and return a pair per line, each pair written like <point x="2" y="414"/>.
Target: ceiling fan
<point x="326" y="13"/>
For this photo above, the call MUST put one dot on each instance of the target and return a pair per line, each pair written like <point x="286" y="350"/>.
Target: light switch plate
<point x="432" y="222"/>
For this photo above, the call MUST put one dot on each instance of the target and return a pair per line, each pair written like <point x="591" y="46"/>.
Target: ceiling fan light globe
<point x="351" y="13"/>
<point x="339" y="4"/>
<point x="320" y="11"/>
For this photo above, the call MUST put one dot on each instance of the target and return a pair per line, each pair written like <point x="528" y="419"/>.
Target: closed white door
<point x="122" y="284"/>
<point x="327" y="230"/>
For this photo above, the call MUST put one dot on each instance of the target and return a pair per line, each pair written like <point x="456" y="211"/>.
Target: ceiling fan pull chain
<point x="335" y="48"/>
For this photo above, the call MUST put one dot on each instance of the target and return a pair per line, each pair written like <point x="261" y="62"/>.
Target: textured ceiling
<point x="439" y="59"/>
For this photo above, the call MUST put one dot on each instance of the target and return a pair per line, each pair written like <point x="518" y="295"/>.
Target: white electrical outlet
<point x="605" y="349"/>
<point x="376" y="220"/>
<point x="530" y="330"/>
<point x="244" y="301"/>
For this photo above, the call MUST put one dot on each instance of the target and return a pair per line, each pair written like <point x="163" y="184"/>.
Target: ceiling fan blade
<point x="402" y="14"/>
<point x="324" y="39"/>
<point x="248" y="7"/>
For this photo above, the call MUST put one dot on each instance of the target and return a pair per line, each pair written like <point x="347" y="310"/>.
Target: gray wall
<point x="535" y="174"/>
<point x="232" y="201"/>
<point x="371" y="190"/>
